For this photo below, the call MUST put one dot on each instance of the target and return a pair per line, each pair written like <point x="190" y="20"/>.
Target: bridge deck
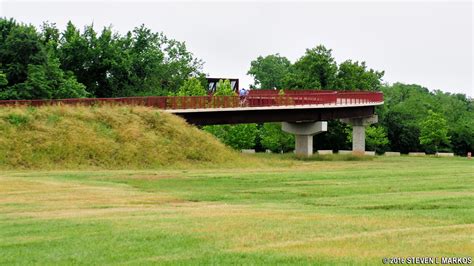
<point x="258" y="107"/>
<point x="257" y="100"/>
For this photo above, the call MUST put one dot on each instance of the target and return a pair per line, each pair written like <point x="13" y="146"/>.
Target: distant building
<point x="234" y="83"/>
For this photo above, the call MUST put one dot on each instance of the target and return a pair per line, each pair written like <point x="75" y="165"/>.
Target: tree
<point x="20" y="47"/>
<point x="31" y="66"/>
<point x="76" y="56"/>
<point x="376" y="139"/>
<point x="458" y="111"/>
<point x="316" y="69"/>
<point x="434" y="131"/>
<point x="3" y="85"/>
<point x="50" y="36"/>
<point x="356" y="76"/>
<point x="223" y="88"/>
<point x="3" y="80"/>
<point x="269" y="71"/>
<point x="462" y="135"/>
<point x="336" y="138"/>
<point x="405" y="106"/>
<point x="70" y="88"/>
<point x="141" y="62"/>
<point x="272" y="137"/>
<point x="402" y="131"/>
<point x="46" y="81"/>
<point x="241" y="136"/>
<point x="192" y="87"/>
<point x="179" y="63"/>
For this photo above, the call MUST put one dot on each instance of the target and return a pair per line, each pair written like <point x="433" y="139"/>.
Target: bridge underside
<point x="274" y="115"/>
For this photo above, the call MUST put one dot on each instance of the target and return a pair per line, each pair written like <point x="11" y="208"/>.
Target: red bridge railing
<point x="256" y="98"/>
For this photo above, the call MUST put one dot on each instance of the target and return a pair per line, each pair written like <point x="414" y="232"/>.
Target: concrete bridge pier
<point x="304" y="132"/>
<point x="358" y="132"/>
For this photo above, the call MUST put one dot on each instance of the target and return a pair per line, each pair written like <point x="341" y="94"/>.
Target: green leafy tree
<point x="404" y="109"/>
<point x="20" y="47"/>
<point x="3" y="80"/>
<point x="37" y="84"/>
<point x="356" y="76"/>
<point x="46" y="82"/>
<point x="376" y="139"/>
<point x="402" y="131"/>
<point x="31" y="65"/>
<point x="141" y="62"/>
<point x="458" y="111"/>
<point x="316" y="69"/>
<point x="192" y="87"/>
<point x="272" y="137"/>
<point x="462" y="135"/>
<point x="269" y="71"/>
<point x="76" y="56"/>
<point x="334" y="139"/>
<point x="70" y="88"/>
<point x="241" y="136"/>
<point x="50" y="37"/>
<point x="434" y="131"/>
<point x="223" y="88"/>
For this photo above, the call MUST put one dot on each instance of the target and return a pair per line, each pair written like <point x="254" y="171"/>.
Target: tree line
<point x="47" y="63"/>
<point x="411" y="119"/>
<point x="316" y="69"/>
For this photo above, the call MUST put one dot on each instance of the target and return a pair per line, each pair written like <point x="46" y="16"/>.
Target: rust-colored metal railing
<point x="256" y="98"/>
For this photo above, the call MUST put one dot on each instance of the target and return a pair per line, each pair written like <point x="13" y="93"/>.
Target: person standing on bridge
<point x="243" y="96"/>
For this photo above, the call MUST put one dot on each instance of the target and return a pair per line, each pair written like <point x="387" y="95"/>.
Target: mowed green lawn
<point x="287" y="212"/>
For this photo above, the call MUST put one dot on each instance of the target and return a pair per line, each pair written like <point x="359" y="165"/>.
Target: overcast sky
<point x="428" y="43"/>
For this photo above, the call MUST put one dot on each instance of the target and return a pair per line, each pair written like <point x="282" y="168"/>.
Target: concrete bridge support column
<point x="358" y="132"/>
<point x="304" y="132"/>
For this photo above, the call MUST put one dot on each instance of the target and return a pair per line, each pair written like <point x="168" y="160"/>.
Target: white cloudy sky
<point x="427" y="42"/>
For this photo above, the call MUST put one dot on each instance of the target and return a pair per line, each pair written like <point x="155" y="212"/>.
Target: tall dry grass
<point x="106" y="137"/>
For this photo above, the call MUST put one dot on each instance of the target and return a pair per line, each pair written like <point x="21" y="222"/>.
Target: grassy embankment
<point x="110" y="137"/>
<point x="288" y="212"/>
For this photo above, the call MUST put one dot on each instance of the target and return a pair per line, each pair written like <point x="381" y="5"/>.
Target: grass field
<point x="287" y="212"/>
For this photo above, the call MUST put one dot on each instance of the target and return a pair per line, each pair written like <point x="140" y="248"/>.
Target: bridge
<point x="303" y="113"/>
